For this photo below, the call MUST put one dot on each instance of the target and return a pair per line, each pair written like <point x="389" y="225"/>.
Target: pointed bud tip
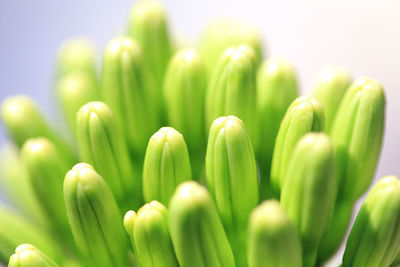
<point x="129" y="220"/>
<point x="121" y="45"/>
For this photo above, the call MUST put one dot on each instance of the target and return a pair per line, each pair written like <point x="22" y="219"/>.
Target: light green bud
<point x="27" y="255"/>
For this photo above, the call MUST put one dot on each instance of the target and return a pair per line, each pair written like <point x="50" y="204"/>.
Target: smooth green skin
<point x="148" y="230"/>
<point x="184" y="95"/>
<point x="221" y="34"/>
<point x="196" y="230"/>
<point x="102" y="144"/>
<point x="232" y="88"/>
<point x="27" y="255"/>
<point x="276" y="89"/>
<point x="304" y="115"/>
<point x="329" y="87"/>
<point x="94" y="217"/>
<point x="73" y="91"/>
<point x="166" y="165"/>
<point x="374" y="240"/>
<point x="22" y="120"/>
<point x="46" y="169"/>
<point x="308" y="195"/>
<point x="272" y="240"/>
<point x="231" y="177"/>
<point x="127" y="91"/>
<point x="16" y="230"/>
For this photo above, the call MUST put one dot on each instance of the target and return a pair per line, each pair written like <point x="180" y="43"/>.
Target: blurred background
<point x="362" y="36"/>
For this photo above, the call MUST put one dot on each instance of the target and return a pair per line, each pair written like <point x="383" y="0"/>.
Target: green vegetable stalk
<point x="27" y="255"/>
<point x="304" y="115"/>
<point x="94" y="217"/>
<point x="231" y="176"/>
<point x="148" y="231"/>
<point x="276" y="89"/>
<point x="308" y="195"/>
<point x="273" y="240"/>
<point x="196" y="231"/>
<point x="375" y="237"/>
<point x="166" y="165"/>
<point x="103" y="145"/>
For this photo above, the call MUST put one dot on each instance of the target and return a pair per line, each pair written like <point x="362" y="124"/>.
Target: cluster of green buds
<point x="199" y="156"/>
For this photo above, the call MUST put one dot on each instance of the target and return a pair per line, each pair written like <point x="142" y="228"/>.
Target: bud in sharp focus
<point x="102" y="144"/>
<point x="166" y="165"/>
<point x="304" y="115"/>
<point x="375" y="237"/>
<point x="273" y="240"/>
<point x="196" y="231"/>
<point x="276" y="89"/>
<point x="232" y="88"/>
<point x="94" y="217"/>
<point x="27" y="255"/>
<point x="329" y="87"/>
<point x="148" y="230"/>
<point x="308" y="195"/>
<point x="125" y="88"/>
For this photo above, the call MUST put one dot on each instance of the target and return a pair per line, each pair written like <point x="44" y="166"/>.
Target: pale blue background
<point x="363" y="36"/>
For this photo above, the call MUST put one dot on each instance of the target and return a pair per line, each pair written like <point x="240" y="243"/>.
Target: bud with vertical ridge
<point x="27" y="255"/>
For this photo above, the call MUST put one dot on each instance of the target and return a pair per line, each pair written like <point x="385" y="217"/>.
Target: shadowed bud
<point x="329" y="87"/>
<point x="308" y="195"/>
<point x="102" y="144"/>
<point x="94" y="217"/>
<point x="375" y="237"/>
<point x="148" y="231"/>
<point x="27" y="255"/>
<point x="166" y="165"/>
<point x="272" y="238"/>
<point x="196" y="231"/>
<point x="304" y="115"/>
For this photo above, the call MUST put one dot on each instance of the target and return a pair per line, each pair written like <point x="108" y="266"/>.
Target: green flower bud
<point x="46" y="170"/>
<point x="126" y="89"/>
<point x="74" y="90"/>
<point x="222" y="34"/>
<point x="308" y="195"/>
<point x="272" y="239"/>
<point x="27" y="255"/>
<point x="196" y="231"/>
<point x="375" y="237"/>
<point x="94" y="217"/>
<point x="232" y="89"/>
<point x="304" y="115"/>
<point x="276" y="89"/>
<point x="16" y="230"/>
<point x="148" y="230"/>
<point x="166" y="165"/>
<point x="357" y="135"/>
<point x="231" y="176"/>
<point x="329" y="87"/>
<point x="102" y="144"/>
<point x="148" y="25"/>
<point x="23" y="120"/>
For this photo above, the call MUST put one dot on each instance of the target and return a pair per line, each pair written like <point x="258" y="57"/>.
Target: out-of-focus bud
<point x="276" y="89"/>
<point x="94" y="217"/>
<point x="126" y="90"/>
<point x="103" y="145"/>
<point x="23" y="120"/>
<point x="231" y="176"/>
<point x="308" y="195"/>
<point x="273" y="240"/>
<point x="232" y="88"/>
<point x="148" y="231"/>
<point x="304" y="115"/>
<point x="224" y="33"/>
<point x="329" y="87"/>
<point x="166" y="165"/>
<point x="196" y="231"/>
<point x="27" y="255"/>
<point x="375" y="237"/>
